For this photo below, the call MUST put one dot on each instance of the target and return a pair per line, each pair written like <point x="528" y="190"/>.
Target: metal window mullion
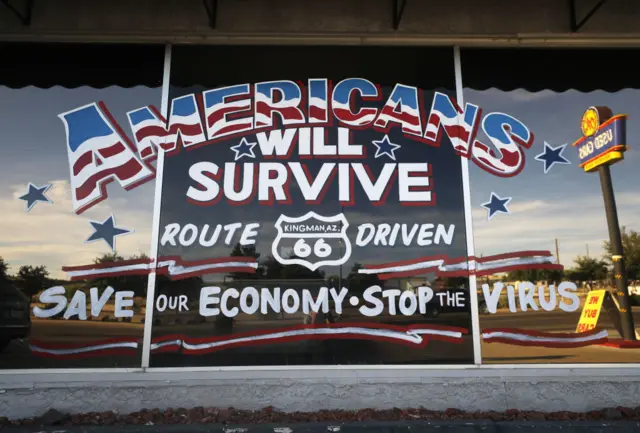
<point x="155" y="229"/>
<point x="466" y="194"/>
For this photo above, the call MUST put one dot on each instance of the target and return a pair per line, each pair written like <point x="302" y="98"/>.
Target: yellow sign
<point x="590" y="122"/>
<point x="591" y="310"/>
<point x="606" y="158"/>
<point x="604" y="143"/>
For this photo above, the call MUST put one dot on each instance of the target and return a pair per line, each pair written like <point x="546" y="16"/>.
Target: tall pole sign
<point x="603" y="142"/>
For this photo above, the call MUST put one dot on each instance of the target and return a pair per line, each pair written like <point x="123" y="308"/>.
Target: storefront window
<point x="62" y="155"/>
<point x="293" y="220"/>
<point x="314" y="212"/>
<point x="556" y="301"/>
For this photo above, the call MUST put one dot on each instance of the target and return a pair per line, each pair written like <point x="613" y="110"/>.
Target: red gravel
<point x="271" y="415"/>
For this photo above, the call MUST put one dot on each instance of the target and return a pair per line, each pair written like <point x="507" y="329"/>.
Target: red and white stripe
<point x="343" y="113"/>
<point x="288" y="109"/>
<point x="318" y="110"/>
<point x="460" y="132"/>
<point x="116" y="346"/>
<point x="444" y="266"/>
<point x="414" y="335"/>
<point x="524" y="337"/>
<point x="155" y="132"/>
<point x="408" y="117"/>
<point x="218" y="123"/>
<point x="418" y="336"/>
<point x="172" y="266"/>
<point x="504" y="165"/>
<point x="97" y="160"/>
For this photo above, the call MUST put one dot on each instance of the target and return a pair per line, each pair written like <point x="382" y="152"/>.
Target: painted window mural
<point x="328" y="211"/>
<point x="303" y="222"/>
<point x="572" y="311"/>
<point x="292" y="213"/>
<point x="51" y="168"/>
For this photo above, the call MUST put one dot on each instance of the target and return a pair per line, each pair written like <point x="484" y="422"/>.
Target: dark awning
<point x="555" y="69"/>
<point x="127" y="65"/>
<point x="74" y="65"/>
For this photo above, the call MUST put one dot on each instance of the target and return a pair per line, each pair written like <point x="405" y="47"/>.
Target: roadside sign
<point x="604" y="138"/>
<point x="591" y="310"/>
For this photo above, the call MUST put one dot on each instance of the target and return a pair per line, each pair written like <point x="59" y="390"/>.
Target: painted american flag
<point x="460" y="126"/>
<point x="98" y="154"/>
<point x="151" y="129"/>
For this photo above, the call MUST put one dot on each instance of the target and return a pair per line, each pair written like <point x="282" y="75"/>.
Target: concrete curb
<point x="464" y="426"/>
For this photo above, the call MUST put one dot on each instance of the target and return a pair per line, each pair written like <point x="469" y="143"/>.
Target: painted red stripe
<point x="345" y="115"/>
<point x="559" y="345"/>
<point x="287" y="113"/>
<point x="194" y="341"/>
<point x="318" y="113"/>
<point x="532" y="333"/>
<point x="108" y="152"/>
<point x="457" y="131"/>
<point x="80" y="345"/>
<point x="83" y="161"/>
<point x="451" y="261"/>
<point x="434" y="120"/>
<point x="401" y="117"/>
<point x="155" y="131"/>
<point x="119" y="351"/>
<point x="220" y="114"/>
<point x="221" y="270"/>
<point x="105" y="265"/>
<point x="366" y="325"/>
<point x="87" y="158"/>
<point x="535" y="333"/>
<point x="125" y="171"/>
<point x="513" y="255"/>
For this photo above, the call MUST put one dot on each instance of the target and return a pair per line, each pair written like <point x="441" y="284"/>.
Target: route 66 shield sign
<point x="312" y="240"/>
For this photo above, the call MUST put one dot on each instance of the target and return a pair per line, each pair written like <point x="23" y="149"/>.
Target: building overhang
<point x="467" y="23"/>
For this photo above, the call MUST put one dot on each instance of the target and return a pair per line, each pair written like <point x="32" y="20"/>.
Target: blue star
<point x="107" y="231"/>
<point x="386" y="147"/>
<point x="552" y="155"/>
<point x="496" y="204"/>
<point x="244" y="148"/>
<point x="34" y="195"/>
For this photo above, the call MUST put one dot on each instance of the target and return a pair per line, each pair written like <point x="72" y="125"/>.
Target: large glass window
<point x="556" y="301"/>
<point x="305" y="210"/>
<point x="67" y="160"/>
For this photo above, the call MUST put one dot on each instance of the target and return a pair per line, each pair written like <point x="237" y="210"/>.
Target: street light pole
<point x="617" y="253"/>
<point x="603" y="142"/>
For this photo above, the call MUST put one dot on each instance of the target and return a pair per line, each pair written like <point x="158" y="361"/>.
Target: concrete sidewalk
<point x="362" y="427"/>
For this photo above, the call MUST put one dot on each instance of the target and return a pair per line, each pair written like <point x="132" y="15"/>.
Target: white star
<point x="386" y="147"/>
<point x="244" y="148"/>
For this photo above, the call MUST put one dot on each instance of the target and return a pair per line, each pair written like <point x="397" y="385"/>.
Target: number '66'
<point x="320" y="248"/>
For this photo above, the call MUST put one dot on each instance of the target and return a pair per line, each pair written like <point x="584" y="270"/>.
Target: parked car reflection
<point x="15" y="322"/>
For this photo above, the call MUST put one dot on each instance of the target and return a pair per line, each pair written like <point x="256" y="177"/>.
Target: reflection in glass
<point x="555" y="207"/>
<point x="49" y="318"/>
